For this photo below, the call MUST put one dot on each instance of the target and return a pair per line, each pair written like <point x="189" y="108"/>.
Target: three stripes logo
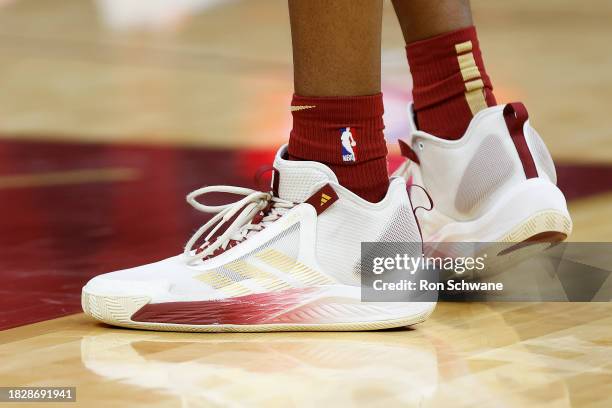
<point x="270" y="269"/>
<point x="324" y="198"/>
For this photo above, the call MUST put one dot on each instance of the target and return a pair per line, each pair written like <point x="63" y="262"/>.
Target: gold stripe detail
<point x="476" y="100"/>
<point x="222" y="283"/>
<point x="469" y="69"/>
<point x="473" y="85"/>
<point x="470" y="73"/>
<point x="292" y="267"/>
<point x="466" y="61"/>
<point x="214" y="279"/>
<point x="264" y="279"/>
<point x="463" y="47"/>
<point x="300" y="107"/>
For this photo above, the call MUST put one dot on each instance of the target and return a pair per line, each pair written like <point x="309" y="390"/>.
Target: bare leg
<point x="336" y="46"/>
<point x="421" y="19"/>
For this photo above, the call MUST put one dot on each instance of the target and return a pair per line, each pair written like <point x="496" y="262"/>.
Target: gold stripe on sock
<point x="476" y="100"/>
<point x="466" y="61"/>
<point x="470" y="73"/>
<point x="463" y="47"/>
<point x="474" y="85"/>
<point x="469" y="69"/>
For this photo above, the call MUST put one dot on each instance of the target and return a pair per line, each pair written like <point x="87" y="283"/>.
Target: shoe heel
<point x="532" y="210"/>
<point x="539" y="212"/>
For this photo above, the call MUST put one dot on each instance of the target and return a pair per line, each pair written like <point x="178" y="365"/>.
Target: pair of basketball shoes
<point x="289" y="259"/>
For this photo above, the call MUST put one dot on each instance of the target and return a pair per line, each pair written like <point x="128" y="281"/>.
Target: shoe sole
<point x="120" y="311"/>
<point x="544" y="226"/>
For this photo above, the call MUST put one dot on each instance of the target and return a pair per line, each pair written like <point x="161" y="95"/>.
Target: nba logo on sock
<point x="348" y="145"/>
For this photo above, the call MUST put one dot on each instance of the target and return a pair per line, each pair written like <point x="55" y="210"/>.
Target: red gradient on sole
<point x="261" y="308"/>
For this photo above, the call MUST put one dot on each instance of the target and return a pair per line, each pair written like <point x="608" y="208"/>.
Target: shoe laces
<point x="252" y="213"/>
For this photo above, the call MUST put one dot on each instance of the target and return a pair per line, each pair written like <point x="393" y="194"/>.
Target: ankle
<point x="346" y="134"/>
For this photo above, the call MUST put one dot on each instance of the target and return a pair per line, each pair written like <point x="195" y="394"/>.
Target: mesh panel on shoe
<point x="541" y="155"/>
<point x="296" y="184"/>
<point x="400" y="228"/>
<point x="488" y="170"/>
<point x="339" y="243"/>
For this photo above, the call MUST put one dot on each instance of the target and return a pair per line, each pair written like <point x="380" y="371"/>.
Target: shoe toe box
<point x="152" y="280"/>
<point x="113" y="284"/>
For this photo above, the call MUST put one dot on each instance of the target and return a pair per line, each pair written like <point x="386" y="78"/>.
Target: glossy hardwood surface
<point x="509" y="354"/>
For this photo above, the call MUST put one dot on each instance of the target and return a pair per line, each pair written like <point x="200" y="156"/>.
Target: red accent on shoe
<point x="260" y="179"/>
<point x="232" y="243"/>
<point x="275" y="182"/>
<point x="439" y="90"/>
<point x="259" y="308"/>
<point x="323" y="198"/>
<point x="515" y="115"/>
<point x="408" y="153"/>
<point x="260" y="215"/>
<point x="345" y="134"/>
<point x="431" y="203"/>
<point x="409" y="187"/>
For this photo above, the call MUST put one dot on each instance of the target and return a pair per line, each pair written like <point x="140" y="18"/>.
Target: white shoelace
<point x="242" y="226"/>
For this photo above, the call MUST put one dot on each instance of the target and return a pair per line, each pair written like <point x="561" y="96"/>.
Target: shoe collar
<point x="296" y="180"/>
<point x="415" y="133"/>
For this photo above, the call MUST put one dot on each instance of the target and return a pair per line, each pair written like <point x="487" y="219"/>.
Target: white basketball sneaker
<point x="286" y="260"/>
<point x="497" y="183"/>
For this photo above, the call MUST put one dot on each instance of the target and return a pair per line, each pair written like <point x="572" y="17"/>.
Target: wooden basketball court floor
<point x="112" y="110"/>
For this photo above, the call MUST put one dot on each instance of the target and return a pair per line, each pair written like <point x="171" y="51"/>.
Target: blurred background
<point x="112" y="110"/>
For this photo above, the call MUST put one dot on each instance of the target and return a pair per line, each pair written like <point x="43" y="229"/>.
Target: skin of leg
<point x="336" y="46"/>
<point x="421" y="19"/>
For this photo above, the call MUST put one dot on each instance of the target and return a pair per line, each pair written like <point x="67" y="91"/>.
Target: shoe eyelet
<point x="421" y="145"/>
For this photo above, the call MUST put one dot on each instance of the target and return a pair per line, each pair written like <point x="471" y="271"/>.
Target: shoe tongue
<point x="298" y="180"/>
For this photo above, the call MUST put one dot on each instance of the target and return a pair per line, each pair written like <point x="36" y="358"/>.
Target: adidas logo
<point x="324" y="198"/>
